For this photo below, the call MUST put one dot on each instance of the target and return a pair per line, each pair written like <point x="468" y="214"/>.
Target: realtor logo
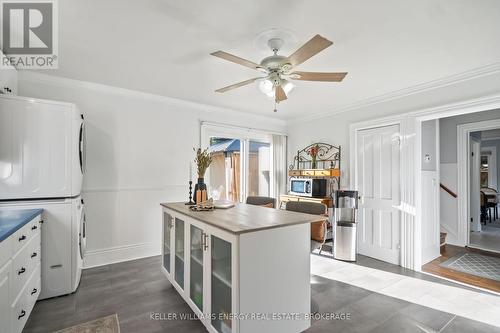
<point x="29" y="34"/>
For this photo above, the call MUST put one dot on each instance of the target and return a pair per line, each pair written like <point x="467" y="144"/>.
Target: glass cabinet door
<point x="167" y="227"/>
<point x="221" y="284"/>
<point x="196" y="265"/>
<point x="179" y="252"/>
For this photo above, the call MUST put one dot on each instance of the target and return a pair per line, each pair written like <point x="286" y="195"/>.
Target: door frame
<point x="245" y="136"/>
<point x="411" y="173"/>
<point x="472" y="141"/>
<point x="463" y="142"/>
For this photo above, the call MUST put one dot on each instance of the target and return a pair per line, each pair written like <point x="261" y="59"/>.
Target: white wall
<point x="334" y="128"/>
<point x="429" y="150"/>
<point x="138" y="151"/>
<point x="448" y="132"/>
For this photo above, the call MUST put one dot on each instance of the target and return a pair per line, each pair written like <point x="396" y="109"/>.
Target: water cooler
<point x="345" y="220"/>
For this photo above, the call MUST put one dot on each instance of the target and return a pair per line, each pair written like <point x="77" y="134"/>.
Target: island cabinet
<point x="244" y="269"/>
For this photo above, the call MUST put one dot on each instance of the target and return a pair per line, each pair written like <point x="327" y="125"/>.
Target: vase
<point x="199" y="186"/>
<point x="313" y="164"/>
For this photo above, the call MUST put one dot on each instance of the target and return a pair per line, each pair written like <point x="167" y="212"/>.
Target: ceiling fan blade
<point x="318" y="76"/>
<point x="237" y="85"/>
<point x="235" y="59"/>
<point x="309" y="49"/>
<point x="280" y="94"/>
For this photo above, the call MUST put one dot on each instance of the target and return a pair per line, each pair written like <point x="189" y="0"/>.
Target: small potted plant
<point x="203" y="159"/>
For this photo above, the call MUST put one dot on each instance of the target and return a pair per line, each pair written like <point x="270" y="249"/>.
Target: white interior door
<point x="475" y="181"/>
<point x="378" y="182"/>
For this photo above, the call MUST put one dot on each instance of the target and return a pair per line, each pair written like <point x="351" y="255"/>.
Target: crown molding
<point x="60" y="81"/>
<point x="495" y="138"/>
<point x="419" y="88"/>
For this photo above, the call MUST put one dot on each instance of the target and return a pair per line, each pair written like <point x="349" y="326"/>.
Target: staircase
<point x="442" y="240"/>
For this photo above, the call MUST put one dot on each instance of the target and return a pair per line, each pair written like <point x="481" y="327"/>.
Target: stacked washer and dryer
<point x="42" y="161"/>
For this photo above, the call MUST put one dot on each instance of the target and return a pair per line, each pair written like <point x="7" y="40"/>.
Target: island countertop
<point x="243" y="218"/>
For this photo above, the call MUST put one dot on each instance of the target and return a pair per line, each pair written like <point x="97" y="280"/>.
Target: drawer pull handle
<point x="56" y="266"/>
<point x="34" y="255"/>
<point x="41" y="222"/>
<point x="34" y="291"/>
<point x="23" y="237"/>
<point x="21" y="271"/>
<point x="23" y="313"/>
<point x="34" y="227"/>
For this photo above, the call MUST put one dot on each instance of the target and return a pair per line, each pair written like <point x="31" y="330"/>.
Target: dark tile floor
<point x="136" y="288"/>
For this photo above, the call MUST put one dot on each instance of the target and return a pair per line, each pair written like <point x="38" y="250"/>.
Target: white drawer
<point x="23" y="265"/>
<point x="35" y="226"/>
<point x="25" y="234"/>
<point x="25" y="301"/>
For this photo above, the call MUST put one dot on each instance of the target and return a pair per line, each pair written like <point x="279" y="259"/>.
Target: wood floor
<point x="449" y="251"/>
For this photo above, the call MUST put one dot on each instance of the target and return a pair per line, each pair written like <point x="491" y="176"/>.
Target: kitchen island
<point x="242" y="269"/>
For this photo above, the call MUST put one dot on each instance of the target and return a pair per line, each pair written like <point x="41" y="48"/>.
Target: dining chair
<point x="261" y="201"/>
<point x="492" y="203"/>
<point x="319" y="230"/>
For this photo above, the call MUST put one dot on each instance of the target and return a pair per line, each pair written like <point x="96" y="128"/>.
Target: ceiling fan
<point x="279" y="70"/>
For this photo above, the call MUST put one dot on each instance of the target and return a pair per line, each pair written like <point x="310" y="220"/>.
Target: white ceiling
<point x="163" y="46"/>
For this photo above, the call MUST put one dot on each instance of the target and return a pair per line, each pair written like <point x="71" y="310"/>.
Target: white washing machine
<point x="63" y="228"/>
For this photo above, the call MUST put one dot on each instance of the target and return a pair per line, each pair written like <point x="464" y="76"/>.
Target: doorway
<point x="466" y="173"/>
<point x="485" y="234"/>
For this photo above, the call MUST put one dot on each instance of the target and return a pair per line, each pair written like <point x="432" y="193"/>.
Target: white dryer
<point x="42" y="149"/>
<point x="63" y="243"/>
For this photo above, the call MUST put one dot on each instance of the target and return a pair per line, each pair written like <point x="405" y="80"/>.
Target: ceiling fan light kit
<point x="278" y="69"/>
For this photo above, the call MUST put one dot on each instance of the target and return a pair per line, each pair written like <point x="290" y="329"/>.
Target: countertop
<point x="244" y="218"/>
<point x="13" y="220"/>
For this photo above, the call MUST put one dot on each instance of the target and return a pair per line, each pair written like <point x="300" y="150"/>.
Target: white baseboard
<point x="120" y="253"/>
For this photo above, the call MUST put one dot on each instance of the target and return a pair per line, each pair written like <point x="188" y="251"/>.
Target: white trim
<point x="492" y="165"/>
<point x="470" y="217"/>
<point x="244" y="135"/>
<point x="431" y="85"/>
<point x="117" y="254"/>
<point x="463" y="132"/>
<point x="485" y="103"/>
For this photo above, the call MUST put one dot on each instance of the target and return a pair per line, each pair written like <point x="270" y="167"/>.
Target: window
<point x="242" y="163"/>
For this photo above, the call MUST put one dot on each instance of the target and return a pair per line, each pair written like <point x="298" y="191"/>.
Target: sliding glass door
<point x="259" y="169"/>
<point x="241" y="167"/>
